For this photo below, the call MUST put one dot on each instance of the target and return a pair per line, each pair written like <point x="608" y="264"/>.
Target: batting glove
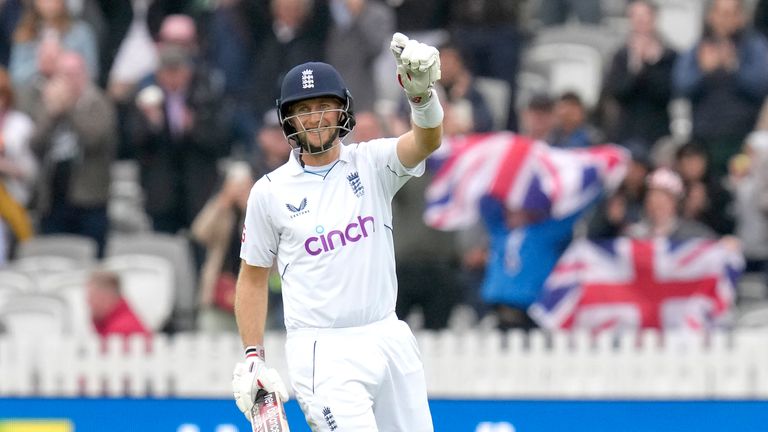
<point x="418" y="67"/>
<point x="253" y="375"/>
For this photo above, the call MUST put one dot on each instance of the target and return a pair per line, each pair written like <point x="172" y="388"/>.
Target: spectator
<point x="555" y="12"/>
<point x="359" y="32"/>
<point x="705" y="199"/>
<point x="237" y="28"/>
<point x="572" y="129"/>
<point x="724" y="76"/>
<point x="661" y="211"/>
<point x="524" y="248"/>
<point x="75" y="142"/>
<point x="30" y="94"/>
<point x="159" y="10"/>
<point x="110" y="312"/>
<point x="617" y="212"/>
<point x="272" y="148"/>
<point x="537" y="119"/>
<point x="745" y="171"/>
<point x="640" y="78"/>
<point x="133" y="59"/>
<point x="760" y="17"/>
<point x="18" y="170"/>
<point x="298" y="34"/>
<point x="10" y="13"/>
<point x="489" y="34"/>
<point x="419" y="15"/>
<point x="177" y="129"/>
<point x="43" y="19"/>
<point x="119" y="19"/>
<point x="458" y="83"/>
<point x="368" y="126"/>
<point x="427" y="261"/>
<point x="218" y="228"/>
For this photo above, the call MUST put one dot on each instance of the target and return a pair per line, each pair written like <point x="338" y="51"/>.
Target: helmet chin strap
<point x="308" y="149"/>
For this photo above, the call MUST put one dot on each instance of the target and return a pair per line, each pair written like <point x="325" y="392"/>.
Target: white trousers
<point x="359" y="379"/>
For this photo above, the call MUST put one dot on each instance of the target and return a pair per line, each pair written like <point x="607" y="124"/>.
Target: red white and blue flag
<point x="627" y="284"/>
<point x="522" y="173"/>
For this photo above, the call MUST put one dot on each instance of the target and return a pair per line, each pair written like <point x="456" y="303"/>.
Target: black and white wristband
<point x="254" y="351"/>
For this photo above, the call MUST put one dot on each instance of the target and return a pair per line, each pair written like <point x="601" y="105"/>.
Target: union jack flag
<point x="522" y="173"/>
<point x="624" y="283"/>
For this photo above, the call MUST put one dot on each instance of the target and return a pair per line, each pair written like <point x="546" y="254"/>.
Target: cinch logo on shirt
<point x="353" y="232"/>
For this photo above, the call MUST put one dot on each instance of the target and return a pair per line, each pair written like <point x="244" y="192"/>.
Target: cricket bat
<point x="268" y="414"/>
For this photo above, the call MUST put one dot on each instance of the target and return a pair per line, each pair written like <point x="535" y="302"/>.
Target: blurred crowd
<point x="185" y="90"/>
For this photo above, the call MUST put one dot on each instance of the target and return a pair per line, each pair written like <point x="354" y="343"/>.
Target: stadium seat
<point x="530" y="83"/>
<point x="40" y="266"/>
<point x="680" y="22"/>
<point x="569" y="67"/>
<point x="177" y="250"/>
<point x="71" y="287"/>
<point x="75" y="247"/>
<point x="148" y="284"/>
<point x="14" y="281"/>
<point x="35" y="315"/>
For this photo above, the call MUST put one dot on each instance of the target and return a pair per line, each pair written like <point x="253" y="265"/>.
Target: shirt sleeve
<point x="383" y="154"/>
<point x="260" y="237"/>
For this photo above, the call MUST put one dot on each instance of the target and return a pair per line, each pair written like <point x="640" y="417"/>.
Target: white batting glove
<point x="418" y="67"/>
<point x="251" y="376"/>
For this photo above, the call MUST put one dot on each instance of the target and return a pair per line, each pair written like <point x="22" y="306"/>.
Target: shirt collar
<point x="294" y="165"/>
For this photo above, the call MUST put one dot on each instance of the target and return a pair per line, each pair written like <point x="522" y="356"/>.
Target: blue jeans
<point x="67" y="219"/>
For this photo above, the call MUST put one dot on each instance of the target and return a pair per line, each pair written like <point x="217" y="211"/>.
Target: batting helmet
<point x="312" y="80"/>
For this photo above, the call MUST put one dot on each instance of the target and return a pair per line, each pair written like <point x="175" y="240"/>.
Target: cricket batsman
<point x="325" y="217"/>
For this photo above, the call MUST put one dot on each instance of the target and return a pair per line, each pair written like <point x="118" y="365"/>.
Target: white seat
<point x="680" y="21"/>
<point x="148" y="285"/>
<point x="15" y="281"/>
<point x="569" y="67"/>
<point x="39" y="266"/>
<point x="75" y="247"/>
<point x="35" y="315"/>
<point x="530" y="83"/>
<point x="174" y="248"/>
<point x="71" y="287"/>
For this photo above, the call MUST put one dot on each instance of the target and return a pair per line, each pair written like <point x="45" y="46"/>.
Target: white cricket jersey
<point x="332" y="235"/>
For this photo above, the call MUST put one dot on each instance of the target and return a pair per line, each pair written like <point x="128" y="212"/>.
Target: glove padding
<point x="251" y="376"/>
<point x="418" y="66"/>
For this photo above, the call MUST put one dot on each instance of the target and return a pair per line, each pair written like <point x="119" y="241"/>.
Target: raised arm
<point x="418" y="67"/>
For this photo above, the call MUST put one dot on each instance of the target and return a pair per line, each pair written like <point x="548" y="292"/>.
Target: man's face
<point x="642" y="18"/>
<point x="174" y="78"/>
<point x="71" y="69"/>
<point x="726" y="17"/>
<point x="660" y="206"/>
<point x="570" y="114"/>
<point x="100" y="300"/>
<point x="316" y="120"/>
<point x="538" y="123"/>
